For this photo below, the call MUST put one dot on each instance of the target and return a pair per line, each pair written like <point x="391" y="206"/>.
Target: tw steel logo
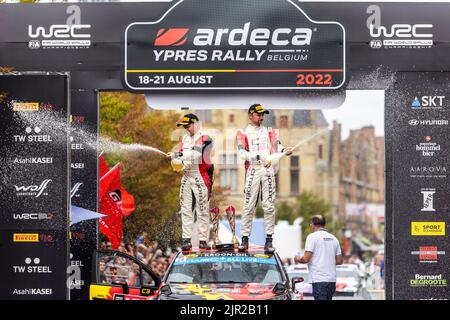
<point x="235" y="37"/>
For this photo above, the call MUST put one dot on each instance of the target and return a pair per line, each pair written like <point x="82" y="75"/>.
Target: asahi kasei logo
<point x="73" y="34"/>
<point x="397" y="35"/>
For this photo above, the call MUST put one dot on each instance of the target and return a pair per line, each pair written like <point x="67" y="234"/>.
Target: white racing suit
<point x="255" y="144"/>
<point x="196" y="184"/>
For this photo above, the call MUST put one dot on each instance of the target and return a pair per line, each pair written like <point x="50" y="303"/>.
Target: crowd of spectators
<point x="148" y="252"/>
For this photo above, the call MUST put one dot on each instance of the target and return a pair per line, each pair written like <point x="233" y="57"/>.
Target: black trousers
<point x="323" y="290"/>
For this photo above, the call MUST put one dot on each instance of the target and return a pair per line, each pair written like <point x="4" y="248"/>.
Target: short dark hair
<point x="318" y="220"/>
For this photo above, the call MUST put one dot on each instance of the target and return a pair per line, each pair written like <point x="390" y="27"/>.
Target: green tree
<point x="147" y="176"/>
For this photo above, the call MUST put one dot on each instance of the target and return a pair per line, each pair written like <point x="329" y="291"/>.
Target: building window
<point x="231" y="118"/>
<point x="284" y="122"/>
<point x="204" y="115"/>
<point x="295" y="174"/>
<point x="320" y="151"/>
<point x="302" y="118"/>
<point x="228" y="174"/>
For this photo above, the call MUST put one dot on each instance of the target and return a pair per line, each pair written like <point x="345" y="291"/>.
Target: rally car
<point x="227" y="274"/>
<point x="219" y="274"/>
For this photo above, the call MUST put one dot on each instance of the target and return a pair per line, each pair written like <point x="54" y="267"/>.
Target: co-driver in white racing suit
<point x="255" y="144"/>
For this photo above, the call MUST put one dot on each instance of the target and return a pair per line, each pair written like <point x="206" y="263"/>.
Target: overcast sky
<point x="361" y="108"/>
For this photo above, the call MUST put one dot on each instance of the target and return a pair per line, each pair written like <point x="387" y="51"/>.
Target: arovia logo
<point x="398" y="35"/>
<point x="235" y="37"/>
<point x="72" y="34"/>
<point x="33" y="190"/>
<point x="75" y="190"/>
<point x="428" y="197"/>
<point x="32" y="266"/>
<point x="32" y="135"/>
<point x="433" y="171"/>
<point x="428" y="102"/>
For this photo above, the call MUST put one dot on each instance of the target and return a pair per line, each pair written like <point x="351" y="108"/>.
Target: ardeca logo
<point x="171" y="37"/>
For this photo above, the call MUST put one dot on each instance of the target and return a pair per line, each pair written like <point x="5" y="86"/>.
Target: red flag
<point x="110" y="205"/>
<point x="102" y="166"/>
<point x="127" y="203"/>
<point x="111" y="226"/>
<point x="127" y="198"/>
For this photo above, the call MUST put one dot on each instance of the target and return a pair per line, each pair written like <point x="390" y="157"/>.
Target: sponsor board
<point x="194" y="46"/>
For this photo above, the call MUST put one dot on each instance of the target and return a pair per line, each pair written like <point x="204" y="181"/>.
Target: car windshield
<point x="346" y="274"/>
<point x="223" y="268"/>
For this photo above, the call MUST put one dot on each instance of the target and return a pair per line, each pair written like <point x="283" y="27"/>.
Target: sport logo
<point x="171" y="37"/>
<point x="33" y="190"/>
<point x="428" y="228"/>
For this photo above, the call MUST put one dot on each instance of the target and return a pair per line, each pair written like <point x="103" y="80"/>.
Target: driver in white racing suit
<point x="255" y="143"/>
<point x="196" y="185"/>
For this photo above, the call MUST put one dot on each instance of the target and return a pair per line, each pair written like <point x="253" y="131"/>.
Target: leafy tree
<point x="148" y="176"/>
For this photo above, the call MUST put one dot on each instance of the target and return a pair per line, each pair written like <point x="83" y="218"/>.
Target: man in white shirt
<point x="322" y="254"/>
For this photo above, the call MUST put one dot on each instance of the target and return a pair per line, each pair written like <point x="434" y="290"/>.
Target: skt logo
<point x="428" y="101"/>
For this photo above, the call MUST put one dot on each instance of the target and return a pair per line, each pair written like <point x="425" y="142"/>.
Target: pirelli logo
<point x="25" y="237"/>
<point x="428" y="228"/>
